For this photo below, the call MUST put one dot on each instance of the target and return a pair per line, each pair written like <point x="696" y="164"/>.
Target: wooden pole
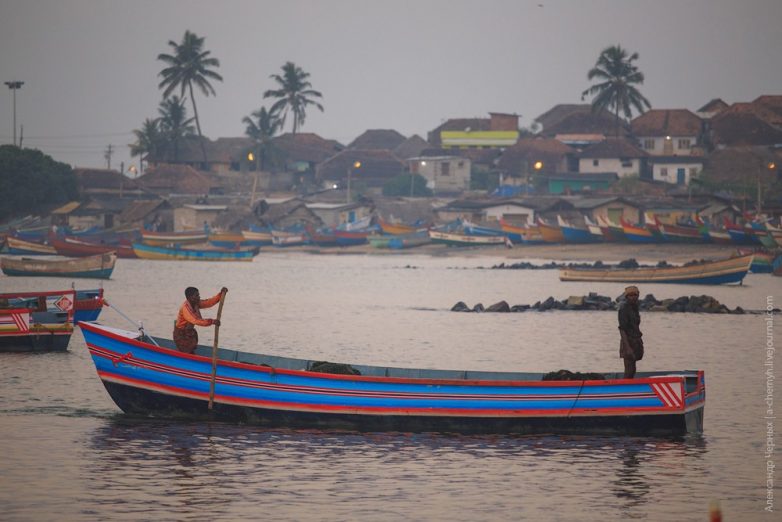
<point x="214" y="353"/>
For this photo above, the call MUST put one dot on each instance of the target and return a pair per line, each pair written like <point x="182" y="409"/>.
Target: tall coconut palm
<point x="261" y="130"/>
<point x="294" y="94"/>
<point x="150" y="142"/>
<point x="189" y="64"/>
<point x="174" y="123"/>
<point x="616" y="90"/>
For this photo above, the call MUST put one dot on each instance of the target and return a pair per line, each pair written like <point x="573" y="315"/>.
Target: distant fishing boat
<point x="395" y="229"/>
<point x="256" y="236"/>
<point x="613" y="232"/>
<point x="677" y="233"/>
<point x="228" y="240"/>
<point x="409" y="240"/>
<point x="73" y="247"/>
<point x="88" y="306"/>
<point x="95" y="267"/>
<point x="351" y="238"/>
<point x="776" y="265"/>
<point x="173" y="238"/>
<point x="574" y="234"/>
<point x="36" y="321"/>
<point x="726" y="271"/>
<point x="453" y="239"/>
<point x="149" y="377"/>
<point x="741" y="234"/>
<point x="23" y="247"/>
<point x="550" y="233"/>
<point x="636" y="233"/>
<point x="474" y="229"/>
<point x="323" y="237"/>
<point x="201" y="253"/>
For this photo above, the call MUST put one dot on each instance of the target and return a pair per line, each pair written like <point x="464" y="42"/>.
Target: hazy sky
<point x="90" y="67"/>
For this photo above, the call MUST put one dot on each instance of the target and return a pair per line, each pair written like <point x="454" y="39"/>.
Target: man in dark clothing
<point x="631" y="346"/>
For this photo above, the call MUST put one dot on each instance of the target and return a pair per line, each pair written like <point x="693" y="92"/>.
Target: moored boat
<point x="156" y="380"/>
<point x="351" y="238"/>
<point x="550" y="233"/>
<point x="637" y="234"/>
<point x="395" y="229"/>
<point x="202" y="253"/>
<point x="613" y="232"/>
<point x="725" y="271"/>
<point x="94" y="267"/>
<point x="409" y="240"/>
<point x="23" y="247"/>
<point x="36" y="321"/>
<point x="574" y="234"/>
<point x="173" y="238"/>
<point x="282" y="238"/>
<point x="74" y="247"/>
<point x="454" y="239"/>
<point x="256" y="236"/>
<point x="88" y="306"/>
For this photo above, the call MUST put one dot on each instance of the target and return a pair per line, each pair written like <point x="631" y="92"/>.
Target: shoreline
<point x="606" y="252"/>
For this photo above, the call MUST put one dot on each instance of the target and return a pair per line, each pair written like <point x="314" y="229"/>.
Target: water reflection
<point x="184" y="467"/>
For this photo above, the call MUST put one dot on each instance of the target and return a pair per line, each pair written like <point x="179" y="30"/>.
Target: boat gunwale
<point x="99" y="329"/>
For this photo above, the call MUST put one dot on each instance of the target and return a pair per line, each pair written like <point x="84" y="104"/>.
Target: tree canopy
<point x="294" y="94"/>
<point x="401" y="186"/>
<point x="32" y="182"/>
<point x="617" y="79"/>
<point x="189" y="64"/>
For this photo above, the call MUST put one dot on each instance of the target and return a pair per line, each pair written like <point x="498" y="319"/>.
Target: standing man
<point x="631" y="347"/>
<point x="185" y="335"/>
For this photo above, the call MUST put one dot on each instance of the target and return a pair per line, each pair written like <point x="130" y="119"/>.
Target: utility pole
<point x="107" y="155"/>
<point x="14" y="86"/>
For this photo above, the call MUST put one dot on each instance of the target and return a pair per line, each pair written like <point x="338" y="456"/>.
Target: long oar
<point x="214" y="353"/>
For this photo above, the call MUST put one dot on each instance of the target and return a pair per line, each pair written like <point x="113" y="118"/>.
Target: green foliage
<point x="400" y="186"/>
<point x="261" y="130"/>
<point x="294" y="95"/>
<point x="484" y="180"/>
<point x="188" y="65"/>
<point x="617" y="79"/>
<point x="630" y="185"/>
<point x="31" y="181"/>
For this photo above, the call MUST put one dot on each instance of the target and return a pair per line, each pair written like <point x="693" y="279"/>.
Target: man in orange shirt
<point x="185" y="335"/>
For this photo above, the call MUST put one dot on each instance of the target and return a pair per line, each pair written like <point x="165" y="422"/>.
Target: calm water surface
<point x="69" y="454"/>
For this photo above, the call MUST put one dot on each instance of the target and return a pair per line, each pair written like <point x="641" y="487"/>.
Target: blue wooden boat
<point x="36" y="321"/>
<point x="185" y="253"/>
<point x="574" y="234"/>
<point x="726" y="271"/>
<point x="89" y="304"/>
<point x="474" y="229"/>
<point x="155" y="380"/>
<point x="92" y="267"/>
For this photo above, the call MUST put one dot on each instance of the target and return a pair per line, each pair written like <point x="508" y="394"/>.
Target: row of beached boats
<point x="653" y="230"/>
<point x="147" y="377"/>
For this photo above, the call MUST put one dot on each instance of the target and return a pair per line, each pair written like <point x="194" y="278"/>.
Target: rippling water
<point x="70" y="455"/>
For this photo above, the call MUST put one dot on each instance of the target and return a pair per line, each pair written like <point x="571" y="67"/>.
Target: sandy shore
<point x="609" y="252"/>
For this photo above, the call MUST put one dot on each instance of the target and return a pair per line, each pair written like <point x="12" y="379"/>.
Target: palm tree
<point x="294" y="94"/>
<point x="189" y="64"/>
<point x="261" y="130"/>
<point x="149" y="141"/>
<point x="174" y="123"/>
<point x="617" y="88"/>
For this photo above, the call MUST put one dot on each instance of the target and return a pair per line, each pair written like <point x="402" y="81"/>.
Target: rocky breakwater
<point x="704" y="304"/>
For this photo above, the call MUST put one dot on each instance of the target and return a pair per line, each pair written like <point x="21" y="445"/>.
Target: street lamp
<point x="354" y="166"/>
<point x="14" y="86"/>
